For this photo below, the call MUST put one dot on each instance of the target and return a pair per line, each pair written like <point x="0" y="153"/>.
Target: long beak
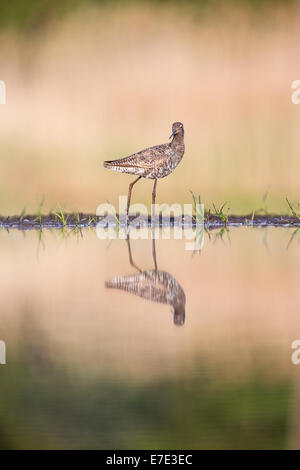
<point x="173" y="133"/>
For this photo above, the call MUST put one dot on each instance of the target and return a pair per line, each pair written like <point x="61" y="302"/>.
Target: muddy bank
<point x="80" y="220"/>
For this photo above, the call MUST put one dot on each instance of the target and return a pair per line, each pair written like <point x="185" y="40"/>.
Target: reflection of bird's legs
<point x="130" y="255"/>
<point x="154" y="252"/>
<point x="129" y="193"/>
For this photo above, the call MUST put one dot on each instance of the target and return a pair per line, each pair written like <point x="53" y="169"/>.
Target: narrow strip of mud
<point x="33" y="222"/>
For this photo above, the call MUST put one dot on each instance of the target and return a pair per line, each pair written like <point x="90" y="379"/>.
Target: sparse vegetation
<point x="61" y="216"/>
<point x="198" y="208"/>
<point x="220" y="212"/>
<point x="220" y="216"/>
<point x="293" y="210"/>
<point x="22" y="215"/>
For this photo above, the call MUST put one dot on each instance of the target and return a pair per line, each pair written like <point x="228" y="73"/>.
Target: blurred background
<point x="89" y="81"/>
<point x="89" y="367"/>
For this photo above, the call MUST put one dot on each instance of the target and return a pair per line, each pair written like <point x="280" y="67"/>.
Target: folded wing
<point x="148" y="158"/>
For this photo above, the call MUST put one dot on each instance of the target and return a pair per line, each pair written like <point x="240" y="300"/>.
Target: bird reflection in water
<point x="154" y="285"/>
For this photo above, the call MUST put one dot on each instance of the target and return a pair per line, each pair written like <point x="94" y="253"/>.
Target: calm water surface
<point x="123" y="345"/>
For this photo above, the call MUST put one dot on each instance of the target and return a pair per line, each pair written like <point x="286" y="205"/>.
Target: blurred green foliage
<point x="44" y="406"/>
<point x="31" y="15"/>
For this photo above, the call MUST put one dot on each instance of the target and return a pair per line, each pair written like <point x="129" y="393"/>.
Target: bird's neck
<point x="177" y="144"/>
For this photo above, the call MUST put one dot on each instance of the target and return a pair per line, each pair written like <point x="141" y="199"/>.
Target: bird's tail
<point x="120" y="165"/>
<point x="108" y="164"/>
<point x="113" y="165"/>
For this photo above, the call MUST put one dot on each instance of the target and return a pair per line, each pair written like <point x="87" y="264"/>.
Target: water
<point x="117" y="346"/>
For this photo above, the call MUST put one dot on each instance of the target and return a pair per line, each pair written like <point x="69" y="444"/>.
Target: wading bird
<point x="154" y="162"/>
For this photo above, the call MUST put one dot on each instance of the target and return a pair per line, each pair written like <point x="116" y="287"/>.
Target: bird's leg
<point x="129" y="193"/>
<point x="154" y="196"/>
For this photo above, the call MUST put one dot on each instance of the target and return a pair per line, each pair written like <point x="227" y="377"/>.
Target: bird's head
<point x="178" y="314"/>
<point x="177" y="128"/>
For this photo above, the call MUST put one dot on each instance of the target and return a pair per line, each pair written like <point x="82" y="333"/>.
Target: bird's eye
<point x="181" y="125"/>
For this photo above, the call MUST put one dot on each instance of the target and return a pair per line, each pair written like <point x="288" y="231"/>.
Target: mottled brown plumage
<point x="154" y="285"/>
<point x="154" y="162"/>
<point x="157" y="286"/>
